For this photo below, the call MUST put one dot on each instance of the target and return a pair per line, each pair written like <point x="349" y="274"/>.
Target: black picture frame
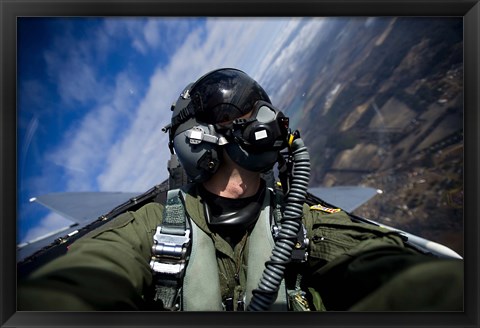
<point x="10" y="10"/>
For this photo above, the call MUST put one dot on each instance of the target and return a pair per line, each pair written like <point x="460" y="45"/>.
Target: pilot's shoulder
<point x="149" y="215"/>
<point x="325" y="213"/>
<point x="150" y="212"/>
<point x="152" y="208"/>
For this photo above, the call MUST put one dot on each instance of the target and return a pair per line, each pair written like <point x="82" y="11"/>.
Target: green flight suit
<point x="350" y="266"/>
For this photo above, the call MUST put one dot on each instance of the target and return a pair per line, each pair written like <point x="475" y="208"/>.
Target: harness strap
<point x="170" y="252"/>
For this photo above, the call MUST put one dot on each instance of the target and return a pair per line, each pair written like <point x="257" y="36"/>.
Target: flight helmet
<point x="225" y="108"/>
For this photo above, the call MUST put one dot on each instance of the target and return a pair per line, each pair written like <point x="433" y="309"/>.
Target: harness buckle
<point x="228" y="304"/>
<point x="169" y="251"/>
<point x="299" y="252"/>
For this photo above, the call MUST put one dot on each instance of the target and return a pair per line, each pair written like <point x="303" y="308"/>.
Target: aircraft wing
<point x="81" y="208"/>
<point x="347" y="198"/>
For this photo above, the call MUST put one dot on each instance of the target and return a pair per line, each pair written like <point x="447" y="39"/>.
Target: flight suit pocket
<point x="334" y="235"/>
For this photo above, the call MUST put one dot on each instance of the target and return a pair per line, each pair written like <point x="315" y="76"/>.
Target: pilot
<point x="230" y="240"/>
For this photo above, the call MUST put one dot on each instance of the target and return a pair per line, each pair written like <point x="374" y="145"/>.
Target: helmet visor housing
<point x="225" y="96"/>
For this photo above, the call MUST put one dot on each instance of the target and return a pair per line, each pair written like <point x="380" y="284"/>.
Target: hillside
<point x="380" y="103"/>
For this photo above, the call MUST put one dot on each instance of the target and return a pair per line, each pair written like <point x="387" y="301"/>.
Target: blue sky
<point x="94" y="93"/>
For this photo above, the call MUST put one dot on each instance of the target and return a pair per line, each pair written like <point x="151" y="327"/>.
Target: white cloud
<point x="84" y="150"/>
<point x="151" y="33"/>
<point x="72" y="65"/>
<point x="75" y="78"/>
<point x="148" y="34"/>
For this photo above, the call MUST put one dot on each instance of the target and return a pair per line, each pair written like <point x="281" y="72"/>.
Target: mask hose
<point x="266" y="292"/>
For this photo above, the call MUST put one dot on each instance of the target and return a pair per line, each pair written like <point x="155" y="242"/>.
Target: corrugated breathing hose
<point x="266" y="293"/>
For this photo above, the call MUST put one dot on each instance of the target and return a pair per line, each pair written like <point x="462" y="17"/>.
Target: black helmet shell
<point x="224" y="95"/>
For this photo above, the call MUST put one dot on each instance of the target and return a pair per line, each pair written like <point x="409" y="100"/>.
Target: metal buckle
<point x="170" y="245"/>
<point x="169" y="252"/>
<point x="175" y="269"/>
<point x="228" y="304"/>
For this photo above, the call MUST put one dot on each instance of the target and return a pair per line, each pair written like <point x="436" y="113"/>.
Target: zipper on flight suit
<point x="238" y="292"/>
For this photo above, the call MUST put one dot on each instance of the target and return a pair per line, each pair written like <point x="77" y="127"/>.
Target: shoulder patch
<point x="324" y="209"/>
